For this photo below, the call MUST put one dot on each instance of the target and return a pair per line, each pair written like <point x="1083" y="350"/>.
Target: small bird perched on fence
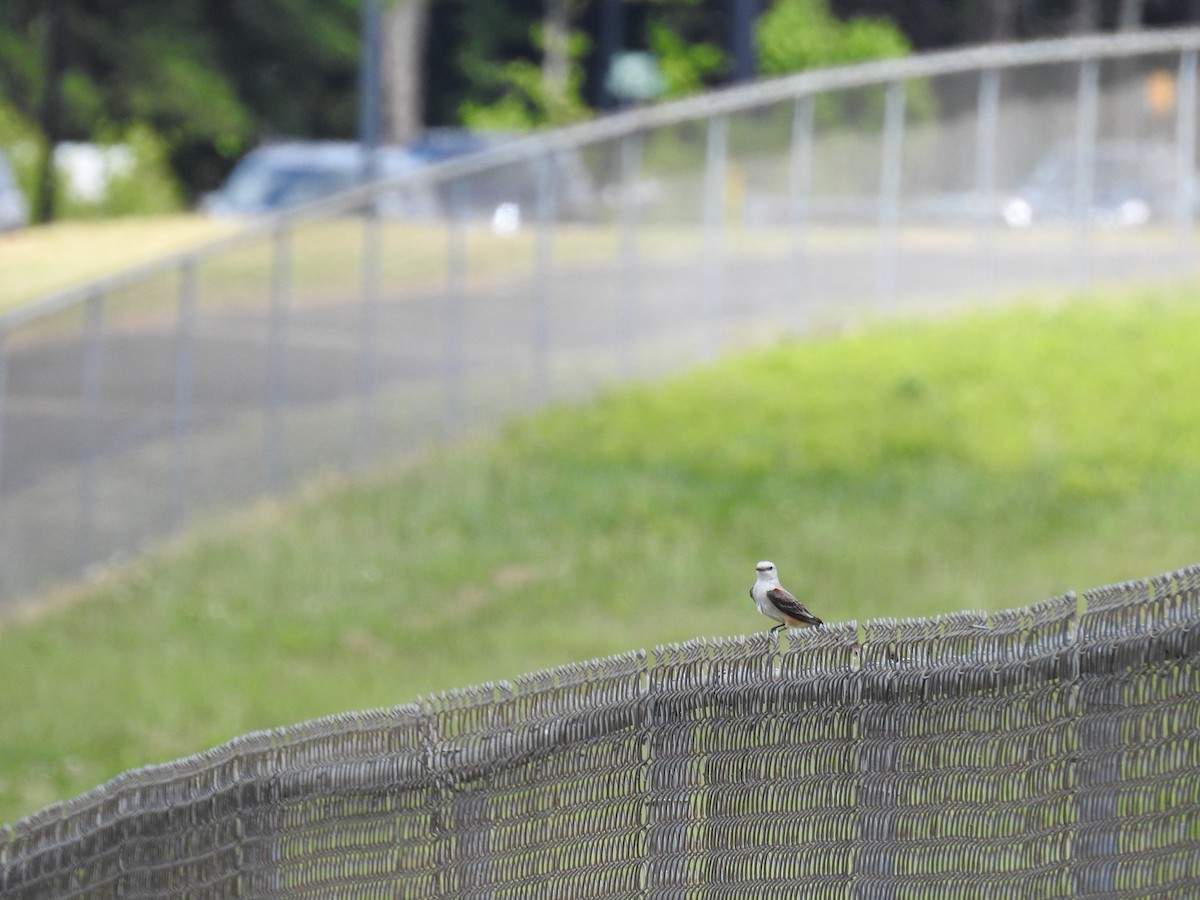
<point x="775" y="602"/>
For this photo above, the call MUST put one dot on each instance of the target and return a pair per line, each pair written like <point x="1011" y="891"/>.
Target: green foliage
<point x="525" y="100"/>
<point x="793" y="35"/>
<point x="914" y="469"/>
<point x="209" y="80"/>
<point x="687" y="67"/>
<point x="212" y="80"/>
<point x="22" y="144"/>
<point x="146" y="187"/>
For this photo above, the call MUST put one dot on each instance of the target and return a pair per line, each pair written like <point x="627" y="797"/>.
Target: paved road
<point x="110" y="444"/>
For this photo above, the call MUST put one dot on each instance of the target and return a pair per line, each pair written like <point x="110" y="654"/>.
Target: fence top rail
<point x="1110" y="628"/>
<point x="726" y="101"/>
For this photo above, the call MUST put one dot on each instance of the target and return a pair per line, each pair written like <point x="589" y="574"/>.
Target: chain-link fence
<point x="370" y="325"/>
<point x="1049" y="751"/>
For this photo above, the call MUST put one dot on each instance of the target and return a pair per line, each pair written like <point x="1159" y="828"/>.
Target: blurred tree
<point x="1130" y="16"/>
<point x="803" y="34"/>
<point x="213" y="77"/>
<point x="687" y="66"/>
<point x="50" y="114"/>
<point x="689" y="38"/>
<point x="557" y="56"/>
<point x="523" y="63"/>
<point x="405" y="28"/>
<point x="943" y="23"/>
<point x="1084" y="16"/>
<point x="210" y="78"/>
<point x="1003" y="18"/>
<point x="478" y="38"/>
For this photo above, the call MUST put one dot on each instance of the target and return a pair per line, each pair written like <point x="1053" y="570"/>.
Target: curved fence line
<point x="991" y="57"/>
<point x="1049" y="750"/>
<point x="364" y="326"/>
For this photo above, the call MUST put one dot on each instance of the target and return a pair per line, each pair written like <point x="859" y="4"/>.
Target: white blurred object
<point x="506" y="220"/>
<point x="88" y="168"/>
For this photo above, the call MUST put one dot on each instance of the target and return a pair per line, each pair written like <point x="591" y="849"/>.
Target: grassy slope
<point x="915" y="469"/>
<point x="45" y="258"/>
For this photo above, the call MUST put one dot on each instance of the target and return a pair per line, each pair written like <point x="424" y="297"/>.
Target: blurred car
<point x="507" y="195"/>
<point x="276" y="177"/>
<point x="1133" y="183"/>
<point x="14" y="211"/>
<point x="280" y="176"/>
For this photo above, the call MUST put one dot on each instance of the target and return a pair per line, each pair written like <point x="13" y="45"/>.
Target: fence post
<point x="90" y="438"/>
<point x="987" y="135"/>
<point x="1085" y="166"/>
<point x="456" y="289"/>
<point x="185" y="340"/>
<point x="1185" y="156"/>
<point x="547" y="202"/>
<point x="627" y="281"/>
<point x="800" y="188"/>
<point x="3" y="398"/>
<point x="365" y="448"/>
<point x="280" y="306"/>
<point x="889" y="194"/>
<point x="716" y="177"/>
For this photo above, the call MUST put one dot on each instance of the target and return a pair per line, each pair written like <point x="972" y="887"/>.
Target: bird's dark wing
<point x="790" y="606"/>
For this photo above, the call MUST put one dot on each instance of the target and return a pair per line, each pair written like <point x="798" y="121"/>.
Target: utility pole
<point x="611" y="40"/>
<point x="742" y="14"/>
<point x="402" y="61"/>
<point x="368" y="88"/>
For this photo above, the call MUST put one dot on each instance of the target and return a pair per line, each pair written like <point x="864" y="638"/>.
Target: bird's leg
<point x="778" y="627"/>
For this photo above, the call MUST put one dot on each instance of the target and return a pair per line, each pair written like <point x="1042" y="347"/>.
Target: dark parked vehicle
<point x="277" y="177"/>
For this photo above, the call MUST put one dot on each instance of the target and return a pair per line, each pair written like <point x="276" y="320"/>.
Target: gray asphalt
<point x="110" y="445"/>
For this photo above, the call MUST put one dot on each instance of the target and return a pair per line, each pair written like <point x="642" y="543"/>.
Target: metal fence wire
<point x="368" y="325"/>
<point x="1045" y="751"/>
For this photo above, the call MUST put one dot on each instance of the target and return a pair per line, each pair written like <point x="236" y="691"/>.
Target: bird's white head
<point x="766" y="571"/>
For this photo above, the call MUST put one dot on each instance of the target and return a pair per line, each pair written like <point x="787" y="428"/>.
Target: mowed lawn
<point x="45" y="258"/>
<point x="906" y="470"/>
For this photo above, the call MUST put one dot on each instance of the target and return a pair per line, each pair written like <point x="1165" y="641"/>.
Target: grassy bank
<point x="984" y="462"/>
<point x="47" y="258"/>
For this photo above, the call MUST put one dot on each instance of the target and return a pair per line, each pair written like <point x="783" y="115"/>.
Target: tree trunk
<point x="51" y="112"/>
<point x="556" y="54"/>
<point x="403" y="50"/>
<point x="1085" y="17"/>
<point x="1130" y="16"/>
<point x="1002" y="20"/>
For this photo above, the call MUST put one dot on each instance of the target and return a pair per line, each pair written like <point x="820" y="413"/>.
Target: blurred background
<point x="145" y="107"/>
<point x="351" y="351"/>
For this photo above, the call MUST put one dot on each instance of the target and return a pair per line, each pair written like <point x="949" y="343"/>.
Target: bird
<point x="775" y="602"/>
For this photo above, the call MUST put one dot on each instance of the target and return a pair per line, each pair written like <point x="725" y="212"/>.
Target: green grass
<point x="911" y="469"/>
<point x="47" y="258"/>
<point x="327" y="255"/>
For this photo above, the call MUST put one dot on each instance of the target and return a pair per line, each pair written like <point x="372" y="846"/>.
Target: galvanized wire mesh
<point x="1045" y="751"/>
